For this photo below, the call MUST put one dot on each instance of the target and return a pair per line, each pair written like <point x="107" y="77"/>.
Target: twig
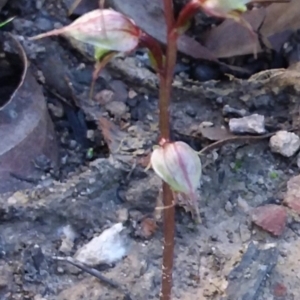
<point x="23" y="178"/>
<point x="94" y="273"/>
<point x="244" y="138"/>
<point x="166" y="78"/>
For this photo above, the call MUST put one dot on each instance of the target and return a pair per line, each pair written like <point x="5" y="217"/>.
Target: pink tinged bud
<point x="223" y="8"/>
<point x="232" y="9"/>
<point x="178" y="165"/>
<point x="102" y="28"/>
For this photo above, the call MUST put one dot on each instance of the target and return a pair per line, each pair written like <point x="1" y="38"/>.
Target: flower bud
<point x="102" y="28"/>
<point x="231" y="9"/>
<point x="223" y="8"/>
<point x="178" y="165"/>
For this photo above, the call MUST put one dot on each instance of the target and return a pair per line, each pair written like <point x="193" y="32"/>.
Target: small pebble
<point x="206" y="124"/>
<point x="123" y="215"/>
<point x="116" y="108"/>
<point x="228" y="110"/>
<point x="104" y="97"/>
<point x="131" y="94"/>
<point x="66" y="246"/>
<point x="285" y="143"/>
<point x="18" y="198"/>
<point x="90" y="134"/>
<point x="250" y="124"/>
<point x="60" y="270"/>
<point x="72" y="144"/>
<point x="120" y="90"/>
<point x="228" y="206"/>
<point x="190" y="111"/>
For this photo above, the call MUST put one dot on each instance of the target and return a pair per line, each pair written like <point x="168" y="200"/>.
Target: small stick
<point x="94" y="273"/>
<point x="243" y="138"/>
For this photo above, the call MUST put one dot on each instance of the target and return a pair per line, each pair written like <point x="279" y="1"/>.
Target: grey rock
<point x="68" y="238"/>
<point x="116" y="108"/>
<point x="251" y="124"/>
<point x="107" y="248"/>
<point x="285" y="143"/>
<point x="228" y="110"/>
<point x="246" y="279"/>
<point x="245" y="233"/>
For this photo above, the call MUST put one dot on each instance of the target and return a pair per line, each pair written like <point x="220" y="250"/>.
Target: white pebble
<point x="285" y="143"/>
<point x="109" y="247"/>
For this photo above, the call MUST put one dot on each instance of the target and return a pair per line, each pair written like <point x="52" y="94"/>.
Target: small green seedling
<point x="6" y="22"/>
<point x="273" y="175"/>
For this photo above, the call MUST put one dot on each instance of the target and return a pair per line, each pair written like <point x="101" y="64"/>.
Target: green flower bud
<point x="178" y="165"/>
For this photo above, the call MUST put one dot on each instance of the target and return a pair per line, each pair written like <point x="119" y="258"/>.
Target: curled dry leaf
<point x="277" y="21"/>
<point x="146" y="229"/>
<point x="150" y="17"/>
<point x="26" y="130"/>
<point x="231" y="38"/>
<point x="215" y="133"/>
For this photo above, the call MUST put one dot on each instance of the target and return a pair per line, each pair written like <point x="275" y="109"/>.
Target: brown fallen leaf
<point x="146" y="229"/>
<point x="150" y="17"/>
<point x="278" y="21"/>
<point x="270" y="217"/>
<point x="215" y="133"/>
<point x="232" y="39"/>
<point x="281" y="17"/>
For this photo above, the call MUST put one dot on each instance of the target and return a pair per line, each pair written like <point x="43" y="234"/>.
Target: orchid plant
<point x="176" y="163"/>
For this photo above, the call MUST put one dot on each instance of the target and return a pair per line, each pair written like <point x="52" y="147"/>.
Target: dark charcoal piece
<point x="246" y="279"/>
<point x="2" y="3"/>
<point x="205" y="72"/>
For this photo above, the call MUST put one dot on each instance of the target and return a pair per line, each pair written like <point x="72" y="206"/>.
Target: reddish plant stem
<point x="189" y="10"/>
<point x="164" y="124"/>
<point x="169" y="14"/>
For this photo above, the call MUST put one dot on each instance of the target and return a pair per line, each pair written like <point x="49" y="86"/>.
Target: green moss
<point x="273" y="175"/>
<point x="237" y="165"/>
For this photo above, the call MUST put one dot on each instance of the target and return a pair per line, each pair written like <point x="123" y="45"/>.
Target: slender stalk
<point x="164" y="124"/>
<point x="169" y="14"/>
<point x="189" y="10"/>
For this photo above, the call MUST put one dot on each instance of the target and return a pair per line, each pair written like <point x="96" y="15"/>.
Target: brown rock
<point x="270" y="217"/>
<point x="292" y="198"/>
<point x="279" y="290"/>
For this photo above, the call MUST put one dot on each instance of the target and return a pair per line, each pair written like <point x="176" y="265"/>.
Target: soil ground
<point x="225" y="257"/>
